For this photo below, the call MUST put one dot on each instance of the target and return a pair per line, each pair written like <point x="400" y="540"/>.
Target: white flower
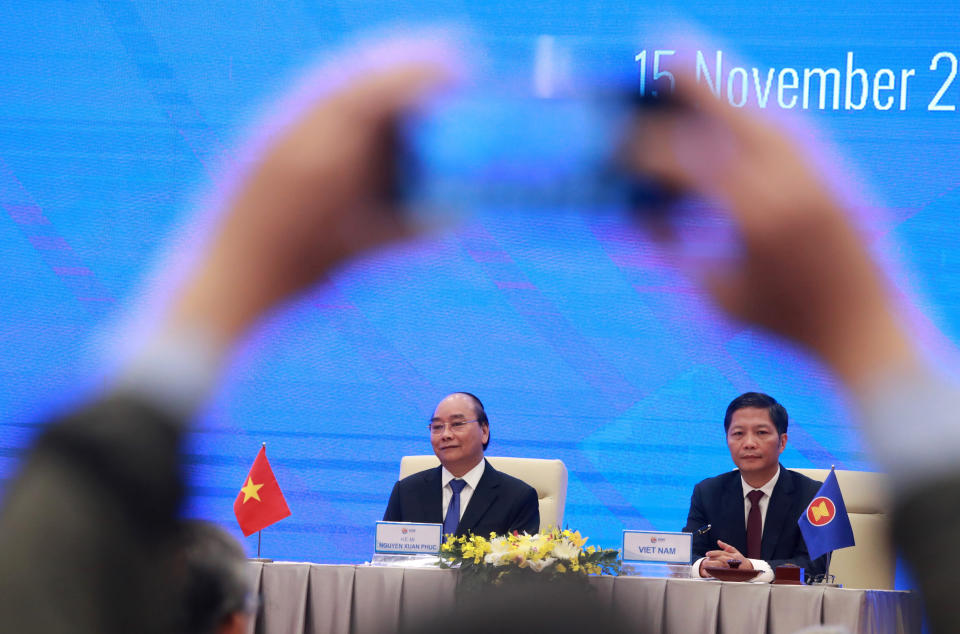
<point x="565" y="550"/>
<point x="499" y="544"/>
<point x="499" y="548"/>
<point x="537" y="566"/>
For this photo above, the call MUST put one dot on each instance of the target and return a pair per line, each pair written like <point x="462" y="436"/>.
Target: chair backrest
<point x="871" y="563"/>
<point x="548" y="477"/>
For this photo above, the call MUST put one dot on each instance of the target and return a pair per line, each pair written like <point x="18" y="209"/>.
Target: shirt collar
<point x="766" y="488"/>
<point x="472" y="477"/>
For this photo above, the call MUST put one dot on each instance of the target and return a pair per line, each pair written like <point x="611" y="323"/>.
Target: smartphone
<point x="495" y="152"/>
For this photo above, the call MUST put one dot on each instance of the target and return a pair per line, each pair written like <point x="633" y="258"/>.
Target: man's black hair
<point x="216" y="579"/>
<point x="776" y="411"/>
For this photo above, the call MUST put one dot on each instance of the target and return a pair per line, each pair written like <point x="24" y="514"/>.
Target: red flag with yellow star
<point x="260" y="502"/>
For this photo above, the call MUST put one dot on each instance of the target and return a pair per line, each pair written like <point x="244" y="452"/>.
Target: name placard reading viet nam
<point x="408" y="538"/>
<point x="659" y="547"/>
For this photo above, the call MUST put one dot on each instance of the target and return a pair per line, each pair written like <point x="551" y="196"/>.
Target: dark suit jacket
<point x="500" y="504"/>
<point x="719" y="501"/>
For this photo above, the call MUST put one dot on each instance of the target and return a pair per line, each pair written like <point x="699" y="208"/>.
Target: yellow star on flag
<point x="250" y="490"/>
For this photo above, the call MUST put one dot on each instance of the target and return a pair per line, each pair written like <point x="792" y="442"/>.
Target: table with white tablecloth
<point x="318" y="598"/>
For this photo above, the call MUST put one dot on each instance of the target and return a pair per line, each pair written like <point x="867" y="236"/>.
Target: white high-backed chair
<point x="871" y="563"/>
<point x="548" y="477"/>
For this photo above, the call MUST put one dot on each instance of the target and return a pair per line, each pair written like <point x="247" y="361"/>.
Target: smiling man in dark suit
<point x="753" y="511"/>
<point x="465" y="492"/>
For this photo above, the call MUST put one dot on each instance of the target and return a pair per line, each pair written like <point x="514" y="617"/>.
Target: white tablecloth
<point x="317" y="599"/>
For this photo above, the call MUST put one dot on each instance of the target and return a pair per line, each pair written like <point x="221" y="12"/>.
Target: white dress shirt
<point x="759" y="564"/>
<point x="472" y="478"/>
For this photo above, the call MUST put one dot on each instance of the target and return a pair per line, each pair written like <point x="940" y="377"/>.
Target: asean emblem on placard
<point x="821" y="511"/>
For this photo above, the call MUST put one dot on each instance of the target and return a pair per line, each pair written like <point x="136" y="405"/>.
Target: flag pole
<point x="253" y="518"/>
<point x="826" y="571"/>
<point x="264" y="445"/>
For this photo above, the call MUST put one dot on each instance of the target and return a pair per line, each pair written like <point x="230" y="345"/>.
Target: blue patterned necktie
<point x="452" y="520"/>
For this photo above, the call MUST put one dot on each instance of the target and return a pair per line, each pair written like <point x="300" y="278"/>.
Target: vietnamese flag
<point x="260" y="502"/>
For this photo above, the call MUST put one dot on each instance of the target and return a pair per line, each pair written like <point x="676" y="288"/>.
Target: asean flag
<point x="825" y="524"/>
<point x="260" y="502"/>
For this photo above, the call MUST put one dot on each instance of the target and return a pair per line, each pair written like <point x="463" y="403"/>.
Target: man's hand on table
<point x="722" y="558"/>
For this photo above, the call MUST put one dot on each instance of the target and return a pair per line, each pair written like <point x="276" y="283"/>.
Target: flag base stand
<point x="262" y="560"/>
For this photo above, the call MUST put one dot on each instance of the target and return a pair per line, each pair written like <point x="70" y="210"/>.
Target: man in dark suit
<point x="465" y="492"/>
<point x="752" y="512"/>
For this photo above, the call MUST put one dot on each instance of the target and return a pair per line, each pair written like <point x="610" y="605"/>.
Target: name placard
<point x="408" y="538"/>
<point x="656" y="546"/>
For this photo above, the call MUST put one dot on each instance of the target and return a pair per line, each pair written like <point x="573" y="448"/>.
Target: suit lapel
<point x="432" y="499"/>
<point x="777" y="513"/>
<point x="733" y="513"/>
<point x="481" y="500"/>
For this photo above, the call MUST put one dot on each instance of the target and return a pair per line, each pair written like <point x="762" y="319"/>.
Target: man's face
<point x="459" y="450"/>
<point x="754" y="443"/>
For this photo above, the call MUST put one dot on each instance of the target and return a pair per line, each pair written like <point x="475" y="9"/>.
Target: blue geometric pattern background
<point x="583" y="344"/>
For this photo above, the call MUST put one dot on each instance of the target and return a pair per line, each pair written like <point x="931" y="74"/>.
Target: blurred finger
<point x="727" y="288"/>
<point x="387" y="93"/>
<point x="695" y="95"/>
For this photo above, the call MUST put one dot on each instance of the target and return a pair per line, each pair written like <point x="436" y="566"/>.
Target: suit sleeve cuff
<point x="695" y="569"/>
<point x="767" y="575"/>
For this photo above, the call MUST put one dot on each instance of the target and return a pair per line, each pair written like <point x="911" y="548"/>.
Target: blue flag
<point x="825" y="524"/>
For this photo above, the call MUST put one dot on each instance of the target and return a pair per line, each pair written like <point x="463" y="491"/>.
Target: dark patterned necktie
<point x="754" y="525"/>
<point x="452" y="520"/>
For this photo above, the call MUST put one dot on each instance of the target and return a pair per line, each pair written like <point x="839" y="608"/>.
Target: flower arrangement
<point x="549" y="556"/>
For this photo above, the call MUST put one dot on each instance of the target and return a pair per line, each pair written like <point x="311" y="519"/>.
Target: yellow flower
<point x="475" y="549"/>
<point x="539" y="547"/>
<point x="577" y="540"/>
<point x="560" y="549"/>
